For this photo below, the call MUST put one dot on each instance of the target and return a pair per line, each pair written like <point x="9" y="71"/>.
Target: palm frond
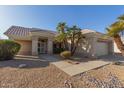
<point x="115" y="28"/>
<point x="60" y="37"/>
<point x="61" y="27"/>
<point x="121" y="17"/>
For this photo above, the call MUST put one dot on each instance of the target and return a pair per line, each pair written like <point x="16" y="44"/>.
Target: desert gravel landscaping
<point x="41" y="74"/>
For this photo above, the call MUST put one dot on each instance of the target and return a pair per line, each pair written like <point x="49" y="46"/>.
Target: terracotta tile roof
<point x="18" y="31"/>
<point x="43" y="30"/>
<point x="24" y="31"/>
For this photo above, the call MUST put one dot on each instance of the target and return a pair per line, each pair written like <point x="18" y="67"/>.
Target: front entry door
<point x="41" y="47"/>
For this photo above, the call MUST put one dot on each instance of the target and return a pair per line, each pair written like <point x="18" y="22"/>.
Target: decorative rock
<point x="22" y="66"/>
<point x="68" y="83"/>
<point x="111" y="81"/>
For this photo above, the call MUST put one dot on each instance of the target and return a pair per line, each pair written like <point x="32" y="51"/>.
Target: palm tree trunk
<point x="119" y="43"/>
<point x="72" y="44"/>
<point x="75" y="46"/>
<point x="65" y="41"/>
<point x="65" y="45"/>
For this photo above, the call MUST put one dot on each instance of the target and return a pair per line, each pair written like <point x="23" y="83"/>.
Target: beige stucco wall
<point x="90" y="48"/>
<point x="26" y="47"/>
<point x="93" y="47"/>
<point x="87" y="49"/>
<point x="84" y="49"/>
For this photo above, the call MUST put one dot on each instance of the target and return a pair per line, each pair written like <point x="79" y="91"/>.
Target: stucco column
<point x="34" y="45"/>
<point x="50" y="46"/>
<point x="111" y="47"/>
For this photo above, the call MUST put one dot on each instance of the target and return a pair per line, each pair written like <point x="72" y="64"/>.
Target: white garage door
<point x="102" y="48"/>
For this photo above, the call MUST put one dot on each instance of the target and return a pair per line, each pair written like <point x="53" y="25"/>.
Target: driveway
<point x="74" y="69"/>
<point x="112" y="58"/>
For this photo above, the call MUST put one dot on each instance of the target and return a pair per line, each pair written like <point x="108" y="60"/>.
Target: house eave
<point x="14" y="37"/>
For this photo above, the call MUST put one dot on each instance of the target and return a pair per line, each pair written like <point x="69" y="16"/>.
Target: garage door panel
<point x="102" y="48"/>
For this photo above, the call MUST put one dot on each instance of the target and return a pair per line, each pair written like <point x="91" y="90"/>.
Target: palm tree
<point x="62" y="36"/>
<point x="72" y="34"/>
<point x="116" y="30"/>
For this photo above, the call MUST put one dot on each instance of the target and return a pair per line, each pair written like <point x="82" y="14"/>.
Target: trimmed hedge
<point x="8" y="49"/>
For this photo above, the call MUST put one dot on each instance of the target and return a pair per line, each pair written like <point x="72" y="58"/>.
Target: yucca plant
<point x="8" y="49"/>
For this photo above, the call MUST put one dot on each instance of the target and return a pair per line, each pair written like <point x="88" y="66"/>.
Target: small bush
<point x="58" y="50"/>
<point x="65" y="54"/>
<point x="8" y="49"/>
<point x="117" y="63"/>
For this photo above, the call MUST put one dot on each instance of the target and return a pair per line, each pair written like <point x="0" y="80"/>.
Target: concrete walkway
<point x="72" y="70"/>
<point x="50" y="58"/>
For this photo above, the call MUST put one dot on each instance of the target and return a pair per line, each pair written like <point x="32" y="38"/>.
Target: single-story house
<point x="35" y="41"/>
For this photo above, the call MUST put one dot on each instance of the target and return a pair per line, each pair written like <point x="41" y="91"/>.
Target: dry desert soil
<point x="39" y="74"/>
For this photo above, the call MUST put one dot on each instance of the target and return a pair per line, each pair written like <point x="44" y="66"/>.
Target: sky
<point x="47" y="17"/>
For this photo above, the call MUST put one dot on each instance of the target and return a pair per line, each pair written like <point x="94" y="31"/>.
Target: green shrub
<point x="117" y="63"/>
<point x="8" y="49"/>
<point x="58" y="50"/>
<point x="65" y="54"/>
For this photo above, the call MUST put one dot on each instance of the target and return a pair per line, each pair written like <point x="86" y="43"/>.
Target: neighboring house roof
<point x="87" y="31"/>
<point x="91" y="33"/>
